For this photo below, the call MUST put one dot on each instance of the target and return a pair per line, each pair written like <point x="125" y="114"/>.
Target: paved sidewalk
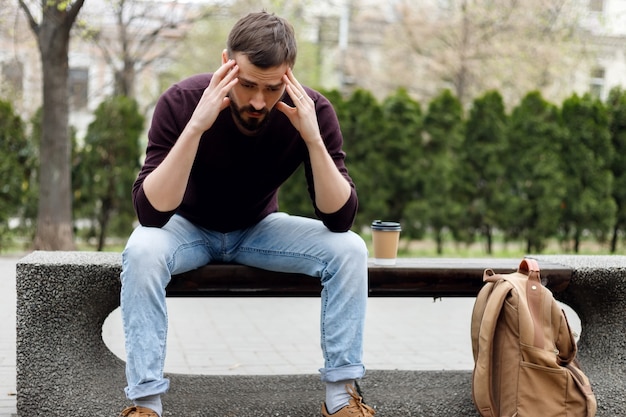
<point x="226" y="336"/>
<point x="7" y="336"/>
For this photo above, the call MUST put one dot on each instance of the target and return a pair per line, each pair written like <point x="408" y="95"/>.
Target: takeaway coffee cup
<point x="385" y="236"/>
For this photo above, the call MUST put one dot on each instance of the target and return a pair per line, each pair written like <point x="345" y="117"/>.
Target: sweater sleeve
<point x="164" y="131"/>
<point x="343" y="219"/>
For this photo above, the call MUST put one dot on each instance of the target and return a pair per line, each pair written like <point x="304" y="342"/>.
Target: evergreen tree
<point x="617" y="109"/>
<point x="363" y="127"/>
<point x="400" y="146"/>
<point x="534" y="187"/>
<point x="481" y="169"/>
<point x="438" y="207"/>
<point x="586" y="157"/>
<point x="16" y="162"/>
<point x="106" y="168"/>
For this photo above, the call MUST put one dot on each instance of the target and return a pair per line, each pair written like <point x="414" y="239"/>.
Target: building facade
<point x="348" y="33"/>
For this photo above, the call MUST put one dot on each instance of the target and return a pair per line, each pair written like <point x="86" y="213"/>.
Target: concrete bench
<point x="64" y="367"/>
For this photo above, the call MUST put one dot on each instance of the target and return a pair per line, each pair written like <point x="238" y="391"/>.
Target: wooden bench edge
<point x="410" y="277"/>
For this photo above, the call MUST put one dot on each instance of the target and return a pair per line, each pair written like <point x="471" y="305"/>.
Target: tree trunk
<point x="104" y="223"/>
<point x="54" y="220"/>
<point x="439" y="240"/>
<point x="489" y="237"/>
<point x="125" y="80"/>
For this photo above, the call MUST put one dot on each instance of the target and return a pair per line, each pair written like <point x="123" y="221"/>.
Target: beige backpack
<point x="524" y="351"/>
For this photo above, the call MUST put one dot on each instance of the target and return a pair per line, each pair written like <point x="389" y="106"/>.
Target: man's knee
<point x="354" y="246"/>
<point x="145" y="243"/>
<point x="145" y="257"/>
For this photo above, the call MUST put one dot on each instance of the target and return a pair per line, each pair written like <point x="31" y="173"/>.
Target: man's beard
<point x="251" y="125"/>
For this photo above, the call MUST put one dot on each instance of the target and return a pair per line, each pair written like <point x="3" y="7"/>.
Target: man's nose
<point x="258" y="100"/>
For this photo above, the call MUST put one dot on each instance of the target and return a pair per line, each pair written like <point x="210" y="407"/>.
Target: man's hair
<point x="266" y="39"/>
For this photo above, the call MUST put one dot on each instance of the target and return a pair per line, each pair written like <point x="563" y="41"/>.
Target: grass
<point x="425" y="248"/>
<point x="451" y="249"/>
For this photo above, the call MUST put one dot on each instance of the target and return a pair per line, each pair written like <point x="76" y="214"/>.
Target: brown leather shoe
<point x="136" y="411"/>
<point x="355" y="408"/>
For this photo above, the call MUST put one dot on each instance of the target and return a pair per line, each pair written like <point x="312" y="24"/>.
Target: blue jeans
<point x="278" y="243"/>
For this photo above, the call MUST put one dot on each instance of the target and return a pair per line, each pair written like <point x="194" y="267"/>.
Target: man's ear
<point x="224" y="56"/>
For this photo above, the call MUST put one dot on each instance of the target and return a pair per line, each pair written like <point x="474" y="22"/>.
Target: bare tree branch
<point x="72" y="11"/>
<point x="140" y="38"/>
<point x="29" y="16"/>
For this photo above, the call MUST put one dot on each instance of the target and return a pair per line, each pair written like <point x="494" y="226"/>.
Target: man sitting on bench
<point x="220" y="145"/>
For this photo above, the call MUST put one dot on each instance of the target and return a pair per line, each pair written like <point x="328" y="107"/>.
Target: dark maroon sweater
<point x="235" y="178"/>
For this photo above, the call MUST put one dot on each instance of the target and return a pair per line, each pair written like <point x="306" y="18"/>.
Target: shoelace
<point x="356" y="404"/>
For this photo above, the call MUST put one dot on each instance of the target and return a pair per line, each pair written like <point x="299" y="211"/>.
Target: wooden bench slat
<point x="410" y="277"/>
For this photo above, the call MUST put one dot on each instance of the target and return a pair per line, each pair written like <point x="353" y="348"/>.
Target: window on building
<point x="79" y="88"/>
<point x="597" y="82"/>
<point x="596" y="6"/>
<point x="13" y="76"/>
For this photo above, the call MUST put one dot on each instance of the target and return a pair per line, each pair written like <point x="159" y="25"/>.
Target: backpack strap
<point x="534" y="299"/>
<point x="530" y="267"/>
<point x="489" y="303"/>
<point x="488" y="319"/>
<point x="479" y="309"/>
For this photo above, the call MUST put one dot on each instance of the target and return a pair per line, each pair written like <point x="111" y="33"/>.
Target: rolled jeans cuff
<point x="147" y="389"/>
<point x="354" y="371"/>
